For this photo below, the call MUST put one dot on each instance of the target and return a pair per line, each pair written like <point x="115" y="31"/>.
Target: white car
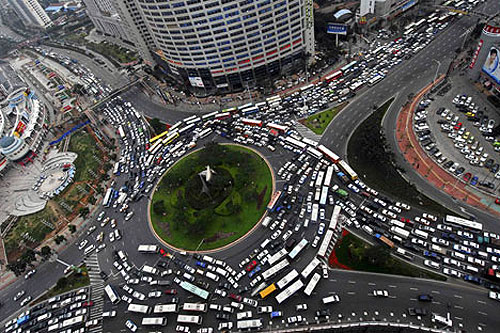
<point x="432" y="264"/>
<point x="130" y="325"/>
<point x="494" y="295"/>
<point x="321" y="229"/>
<point x="109" y="314"/>
<point x="301" y="307"/>
<point x="82" y="244"/>
<point x="154" y="294"/>
<point x="111" y="237"/>
<point x="429" y="217"/>
<point x="25" y="301"/>
<point x="315" y="242"/>
<point x="265" y="309"/>
<point x="19" y="295"/>
<point x="380" y="293"/>
<point x="294" y="319"/>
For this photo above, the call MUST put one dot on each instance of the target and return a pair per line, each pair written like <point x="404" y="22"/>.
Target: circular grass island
<point x="191" y="213"/>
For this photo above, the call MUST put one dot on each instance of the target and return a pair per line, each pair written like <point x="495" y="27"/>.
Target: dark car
<point x="472" y="279"/>
<point x="495" y="168"/>
<point x="222" y="316"/>
<point x="322" y="313"/>
<point x="237" y="298"/>
<point x="162" y="264"/>
<point x="425" y="298"/>
<point x="225" y="285"/>
<point x="417" y="312"/>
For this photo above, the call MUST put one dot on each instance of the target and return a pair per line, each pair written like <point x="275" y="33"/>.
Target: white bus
<point x="195" y="307"/>
<point x="298" y="248"/>
<point x="314" y="153"/>
<point x="397" y="223"/>
<point x="328" y="176"/>
<point x="194" y="290"/>
<point x="166" y="308"/>
<point x="275" y="269"/>
<point x="310" y="268"/>
<point x="277" y="256"/>
<point x="72" y="321"/>
<point x="319" y="179"/>
<point x="148" y="248"/>
<point x="335" y="218"/>
<point x="310" y="142"/>
<point x="107" y="197"/>
<point x="314" y="213"/>
<point x="400" y="232"/>
<point x="374" y="80"/>
<point x="138" y="308"/>
<point x="458" y="221"/>
<point x="420" y="233"/>
<point x="284" y="281"/>
<point x="324" y="196"/>
<point x="324" y="244"/>
<point x="186" y="319"/>
<point x="209" y="115"/>
<point x="312" y="284"/>
<point x="249" y="324"/>
<point x="112" y="294"/>
<point x="206" y="132"/>
<point x="327" y="153"/>
<point x="295" y="143"/>
<point x="307" y="87"/>
<point x="292" y="289"/>
<point x="154" y="321"/>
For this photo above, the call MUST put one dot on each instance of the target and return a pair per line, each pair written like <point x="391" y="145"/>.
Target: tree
<point x="59" y="239"/>
<point x="159" y="207"/>
<point x="45" y="251"/>
<point x="378" y="255"/>
<point x="84" y="212"/>
<point x="158" y="127"/>
<point x="62" y="283"/>
<point x="72" y="228"/>
<point x="92" y="200"/>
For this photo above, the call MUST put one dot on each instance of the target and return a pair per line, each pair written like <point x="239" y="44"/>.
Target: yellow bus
<point x="171" y="137"/>
<point x="159" y="136"/>
<point x="266" y="292"/>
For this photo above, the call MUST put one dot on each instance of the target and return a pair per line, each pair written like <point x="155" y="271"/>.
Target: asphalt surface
<point x="410" y="77"/>
<point x="468" y="305"/>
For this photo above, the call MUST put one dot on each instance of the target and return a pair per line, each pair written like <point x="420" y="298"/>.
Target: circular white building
<point x="13" y="148"/>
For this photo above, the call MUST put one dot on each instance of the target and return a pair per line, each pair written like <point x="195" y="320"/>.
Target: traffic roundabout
<point x="211" y="197"/>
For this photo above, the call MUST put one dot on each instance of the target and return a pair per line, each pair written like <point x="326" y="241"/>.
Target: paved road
<point x="410" y="77"/>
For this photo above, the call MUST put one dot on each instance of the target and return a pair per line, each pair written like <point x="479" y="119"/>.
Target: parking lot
<point x="456" y="129"/>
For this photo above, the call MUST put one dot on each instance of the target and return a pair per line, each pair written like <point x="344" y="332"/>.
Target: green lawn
<point x="319" y="122"/>
<point x="229" y="217"/>
<point x="358" y="255"/>
<point x="32" y="225"/>
<point x="375" y="165"/>
<point x="84" y="145"/>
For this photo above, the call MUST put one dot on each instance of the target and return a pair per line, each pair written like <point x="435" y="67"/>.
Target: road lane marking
<point x="457" y="296"/>
<point x="458" y="307"/>
<point x="482" y="302"/>
<point x="435" y="292"/>
<point x="413" y="288"/>
<point x="483" y="313"/>
<point x="351" y="282"/>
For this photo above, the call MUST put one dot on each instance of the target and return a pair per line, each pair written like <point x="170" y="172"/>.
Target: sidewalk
<point x="427" y="167"/>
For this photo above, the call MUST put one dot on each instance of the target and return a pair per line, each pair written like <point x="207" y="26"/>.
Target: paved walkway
<point x="426" y="167"/>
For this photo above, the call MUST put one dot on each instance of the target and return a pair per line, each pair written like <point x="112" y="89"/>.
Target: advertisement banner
<point x="491" y="64"/>
<point x="336" y="28"/>
<point x="196" y="81"/>
<point x="20" y="127"/>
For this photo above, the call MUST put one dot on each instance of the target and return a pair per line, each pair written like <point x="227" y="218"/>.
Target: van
<point x="212" y="276"/>
<point x="471" y="269"/>
<point x="331" y="299"/>
<point x="265" y="243"/>
<point x="89" y="249"/>
<point x="244" y="315"/>
<point x="122" y="255"/>
<point x="458" y="255"/>
<point x="367" y="229"/>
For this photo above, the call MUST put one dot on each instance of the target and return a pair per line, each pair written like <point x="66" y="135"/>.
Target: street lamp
<point x="437" y="69"/>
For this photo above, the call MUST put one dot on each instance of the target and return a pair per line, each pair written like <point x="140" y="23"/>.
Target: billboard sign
<point x="336" y="28"/>
<point x="196" y="82"/>
<point x="476" y="53"/>
<point x="491" y="65"/>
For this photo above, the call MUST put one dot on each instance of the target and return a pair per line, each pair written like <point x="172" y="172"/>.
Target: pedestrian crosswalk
<point x="96" y="291"/>
<point x="306" y="132"/>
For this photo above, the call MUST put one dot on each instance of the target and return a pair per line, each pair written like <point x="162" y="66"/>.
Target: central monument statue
<point x="206" y="176"/>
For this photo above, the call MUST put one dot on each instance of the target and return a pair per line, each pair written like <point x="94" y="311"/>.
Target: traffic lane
<point x="107" y="74"/>
<point x="151" y="109"/>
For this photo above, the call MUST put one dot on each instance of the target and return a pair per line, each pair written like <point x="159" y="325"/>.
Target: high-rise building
<point x="221" y="45"/>
<point x="108" y="22"/>
<point x="31" y="13"/>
